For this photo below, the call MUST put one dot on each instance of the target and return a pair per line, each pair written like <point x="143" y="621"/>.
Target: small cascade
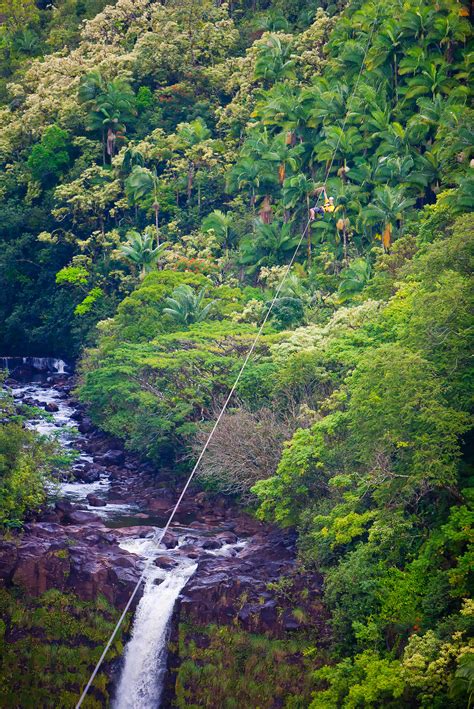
<point x="141" y="682"/>
<point x="46" y="364"/>
<point x="43" y="365"/>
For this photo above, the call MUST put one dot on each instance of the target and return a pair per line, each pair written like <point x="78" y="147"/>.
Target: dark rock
<point x="170" y="540"/>
<point x="227" y="537"/>
<point x="85" y="426"/>
<point x="112" y="457"/>
<point x="199" y="525"/>
<point x="51" y="407"/>
<point x="190" y="551"/>
<point x="212" y="544"/>
<point x="64" y="506"/>
<point x="165" y="562"/>
<point x="79" y="517"/>
<point x="159" y="505"/>
<point x="87" y="474"/>
<point x="8" y="559"/>
<point x="95" y="501"/>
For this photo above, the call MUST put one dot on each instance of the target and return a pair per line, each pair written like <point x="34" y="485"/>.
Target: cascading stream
<point x="141" y="682"/>
<point x="144" y="666"/>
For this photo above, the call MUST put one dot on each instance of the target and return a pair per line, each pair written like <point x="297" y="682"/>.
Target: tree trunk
<point x="104" y="148"/>
<point x="156" y="207"/>
<point x="308" y="235"/>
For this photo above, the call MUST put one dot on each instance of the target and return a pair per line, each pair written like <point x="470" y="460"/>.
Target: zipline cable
<point x="158" y="538"/>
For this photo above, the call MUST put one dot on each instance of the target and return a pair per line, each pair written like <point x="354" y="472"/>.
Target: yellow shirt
<point x="328" y="207"/>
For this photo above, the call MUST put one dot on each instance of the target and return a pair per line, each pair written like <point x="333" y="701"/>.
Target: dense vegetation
<point x="159" y="165"/>
<point x="29" y="463"/>
<point x="47" y="645"/>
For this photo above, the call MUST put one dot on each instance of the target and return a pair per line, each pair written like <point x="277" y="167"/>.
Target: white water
<point x="141" y="683"/>
<point x="41" y="364"/>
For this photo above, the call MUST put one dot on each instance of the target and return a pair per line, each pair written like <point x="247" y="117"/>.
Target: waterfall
<point x="141" y="682"/>
<point x="48" y="364"/>
<point x="40" y="364"/>
<point x="59" y="365"/>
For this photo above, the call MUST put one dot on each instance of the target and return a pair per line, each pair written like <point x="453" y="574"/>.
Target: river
<point x="144" y="663"/>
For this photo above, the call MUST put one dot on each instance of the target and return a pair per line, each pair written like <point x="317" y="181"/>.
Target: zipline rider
<point x="327" y="208"/>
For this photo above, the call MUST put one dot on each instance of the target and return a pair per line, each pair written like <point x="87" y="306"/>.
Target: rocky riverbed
<point x="95" y="537"/>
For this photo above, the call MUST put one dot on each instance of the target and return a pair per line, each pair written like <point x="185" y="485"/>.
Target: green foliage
<point x="56" y="639"/>
<point x="185" y="307"/>
<point x="50" y="157"/>
<point x="216" y="138"/>
<point x="231" y="668"/>
<point x="141" y="251"/>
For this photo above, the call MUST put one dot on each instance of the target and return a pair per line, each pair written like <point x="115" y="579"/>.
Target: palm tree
<point x="296" y="193"/>
<point x="186" y="307"/>
<point x="281" y="107"/>
<point x="354" y="278"/>
<point x="220" y="224"/>
<point x="248" y="174"/>
<point x="189" y="135"/>
<point x="393" y="170"/>
<point x="111" y="104"/>
<point x="271" y="21"/>
<point x="387" y="209"/>
<point x="131" y="158"/>
<point x="274" y="61"/>
<point x="143" y="184"/>
<point x="435" y="78"/>
<point x="140" y="250"/>
<point x="194" y="132"/>
<point x="270" y="245"/>
<point x="340" y="143"/>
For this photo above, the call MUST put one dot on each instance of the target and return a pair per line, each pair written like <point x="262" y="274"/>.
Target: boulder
<point x="158" y="504"/>
<point x="95" y="501"/>
<point x="86" y="425"/>
<point x="212" y="544"/>
<point x="170" y="540"/>
<point x="87" y="474"/>
<point x="165" y="562"/>
<point x="51" y="407"/>
<point x="112" y="457"/>
<point x="81" y="518"/>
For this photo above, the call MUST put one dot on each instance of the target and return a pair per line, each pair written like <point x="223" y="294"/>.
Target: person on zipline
<point x="328" y="207"/>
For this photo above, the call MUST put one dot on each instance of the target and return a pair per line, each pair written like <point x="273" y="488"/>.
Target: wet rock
<point x="38" y="568"/>
<point x="64" y="506"/>
<point x="8" y="559"/>
<point x="158" y="504"/>
<point x="212" y="544"/>
<point x="80" y="517"/>
<point x="140" y="531"/>
<point x="95" y="501"/>
<point x="199" y="525"/>
<point x="86" y="425"/>
<point x="51" y="407"/>
<point x="246" y="526"/>
<point x="190" y="551"/>
<point x="227" y="537"/>
<point x="170" y="540"/>
<point x="165" y="562"/>
<point x="112" y="457"/>
<point x="88" y="474"/>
